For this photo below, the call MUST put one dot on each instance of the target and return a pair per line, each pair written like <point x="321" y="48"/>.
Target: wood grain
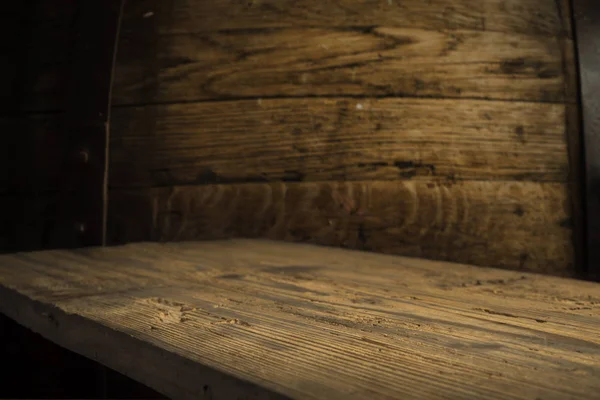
<point x="225" y="50"/>
<point x="45" y="29"/>
<point x="337" y="139"/>
<point x="517" y="225"/>
<point x="195" y="319"/>
<point x="328" y="61"/>
<point x="534" y="17"/>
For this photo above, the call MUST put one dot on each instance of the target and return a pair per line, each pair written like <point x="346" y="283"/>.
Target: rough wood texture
<point x="252" y="319"/>
<point x="310" y="93"/>
<point x="305" y="139"/>
<point x="519" y="225"/>
<point x="353" y="53"/>
<point x="186" y="36"/>
<point x="337" y="139"/>
<point x="361" y="61"/>
<point x="534" y="17"/>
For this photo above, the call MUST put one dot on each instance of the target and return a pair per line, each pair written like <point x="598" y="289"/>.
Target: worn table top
<point x="259" y="319"/>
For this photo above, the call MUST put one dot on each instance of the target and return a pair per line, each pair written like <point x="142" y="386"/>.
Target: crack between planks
<point x="335" y="96"/>
<point x="492" y="312"/>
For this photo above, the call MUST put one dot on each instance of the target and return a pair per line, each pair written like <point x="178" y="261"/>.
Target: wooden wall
<point x="434" y="128"/>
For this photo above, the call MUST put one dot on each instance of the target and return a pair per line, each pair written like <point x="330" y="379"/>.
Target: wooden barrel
<point x="437" y="129"/>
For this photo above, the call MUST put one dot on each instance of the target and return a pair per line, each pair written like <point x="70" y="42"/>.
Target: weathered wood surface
<point x="537" y="17"/>
<point x="311" y="93"/>
<point x="253" y="319"/>
<point x="243" y="59"/>
<point x="190" y="50"/>
<point x="338" y="46"/>
<point x="518" y="225"/>
<point x="337" y="139"/>
<point x="305" y="140"/>
<point x="361" y="61"/>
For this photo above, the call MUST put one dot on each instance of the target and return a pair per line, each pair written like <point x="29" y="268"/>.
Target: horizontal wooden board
<point x="194" y="320"/>
<point x="41" y="34"/>
<point x="337" y="139"/>
<point x="518" y="225"/>
<point x="536" y="17"/>
<point x="362" y="61"/>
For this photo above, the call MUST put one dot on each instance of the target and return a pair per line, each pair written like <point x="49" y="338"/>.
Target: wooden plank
<point x="329" y="61"/>
<point x="54" y="372"/>
<point x="518" y="225"/>
<point x="534" y="17"/>
<point x="337" y="139"/>
<point x="47" y="28"/>
<point x="195" y="319"/>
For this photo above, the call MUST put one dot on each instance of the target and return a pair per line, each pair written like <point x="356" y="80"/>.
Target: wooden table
<point x="257" y="319"/>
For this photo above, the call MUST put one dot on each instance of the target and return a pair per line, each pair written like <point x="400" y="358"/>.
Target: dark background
<point x="31" y="33"/>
